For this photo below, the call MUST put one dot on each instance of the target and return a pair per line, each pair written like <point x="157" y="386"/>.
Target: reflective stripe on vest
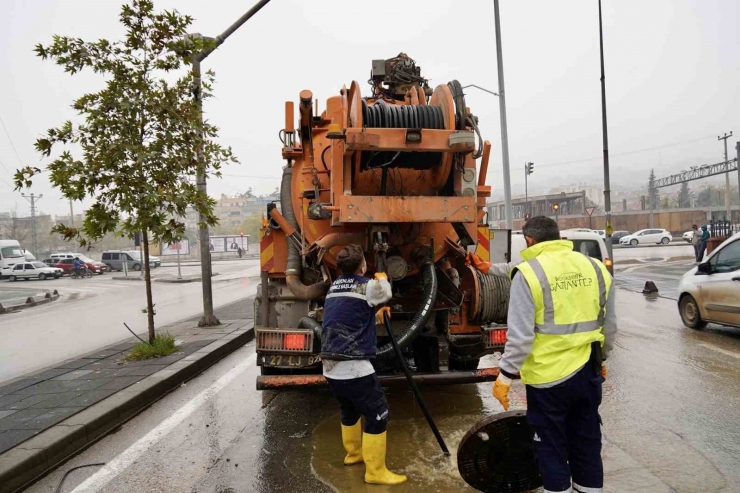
<point x="567" y="318"/>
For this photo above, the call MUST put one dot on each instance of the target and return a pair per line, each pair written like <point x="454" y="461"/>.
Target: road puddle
<point x="412" y="448"/>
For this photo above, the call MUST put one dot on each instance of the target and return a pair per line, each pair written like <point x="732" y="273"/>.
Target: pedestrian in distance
<point x="696" y="242"/>
<point x="561" y="328"/>
<point x="703" y="243"/>
<point x="76" y="267"/>
<point x="348" y="341"/>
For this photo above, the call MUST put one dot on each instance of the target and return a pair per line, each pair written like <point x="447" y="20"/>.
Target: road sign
<point x="609" y="229"/>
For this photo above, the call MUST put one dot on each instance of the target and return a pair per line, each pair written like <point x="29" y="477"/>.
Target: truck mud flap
<point x="286" y="382"/>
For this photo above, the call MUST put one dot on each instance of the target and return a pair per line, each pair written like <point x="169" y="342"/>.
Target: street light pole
<point x="607" y="192"/>
<point x="209" y="318"/>
<point x="502" y="114"/>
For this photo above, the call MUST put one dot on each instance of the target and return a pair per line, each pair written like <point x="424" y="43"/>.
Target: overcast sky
<point x="672" y="72"/>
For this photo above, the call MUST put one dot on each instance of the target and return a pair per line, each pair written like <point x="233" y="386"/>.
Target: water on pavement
<point x="669" y="409"/>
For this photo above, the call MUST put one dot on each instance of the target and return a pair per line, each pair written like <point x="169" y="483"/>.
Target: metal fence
<point x="723" y="229"/>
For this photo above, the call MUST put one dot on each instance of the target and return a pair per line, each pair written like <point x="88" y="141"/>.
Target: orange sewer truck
<point x="395" y="172"/>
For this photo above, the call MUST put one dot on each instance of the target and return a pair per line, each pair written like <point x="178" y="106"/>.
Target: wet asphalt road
<point x="90" y="312"/>
<point x="670" y="412"/>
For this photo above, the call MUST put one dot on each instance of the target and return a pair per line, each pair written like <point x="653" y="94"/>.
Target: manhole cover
<point x="496" y="455"/>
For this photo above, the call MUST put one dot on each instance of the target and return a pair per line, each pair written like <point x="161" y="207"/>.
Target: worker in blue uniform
<point x="348" y="342"/>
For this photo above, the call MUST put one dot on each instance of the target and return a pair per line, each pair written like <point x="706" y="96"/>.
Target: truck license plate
<point x="290" y="360"/>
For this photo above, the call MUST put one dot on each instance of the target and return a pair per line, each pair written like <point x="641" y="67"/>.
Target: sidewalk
<point x="50" y="415"/>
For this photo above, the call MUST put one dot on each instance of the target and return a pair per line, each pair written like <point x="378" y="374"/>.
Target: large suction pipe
<point x="429" y="297"/>
<point x="293" y="270"/>
<point x="313" y="324"/>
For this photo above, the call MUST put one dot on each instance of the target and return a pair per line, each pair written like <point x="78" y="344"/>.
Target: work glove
<point x="501" y="390"/>
<point x="477" y="263"/>
<point x="381" y="275"/>
<point x="379" y="320"/>
<point x="604" y="371"/>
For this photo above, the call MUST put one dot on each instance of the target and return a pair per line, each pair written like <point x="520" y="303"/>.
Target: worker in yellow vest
<point x="561" y="327"/>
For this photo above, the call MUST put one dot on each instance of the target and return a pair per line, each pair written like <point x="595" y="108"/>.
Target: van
<point x="11" y="253"/>
<point x="588" y="243"/>
<point x="115" y="259"/>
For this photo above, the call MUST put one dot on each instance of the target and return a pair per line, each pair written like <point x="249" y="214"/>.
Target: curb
<point x="31" y="459"/>
<point x="30" y="302"/>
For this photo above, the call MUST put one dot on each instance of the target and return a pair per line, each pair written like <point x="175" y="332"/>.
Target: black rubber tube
<point x="315" y="325"/>
<point x="429" y="297"/>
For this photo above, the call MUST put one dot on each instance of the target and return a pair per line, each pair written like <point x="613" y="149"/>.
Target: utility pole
<point x="607" y="192"/>
<point x="502" y="114"/>
<point x="71" y="214"/>
<point x="728" y="190"/>
<point x="32" y="199"/>
<point x="209" y="318"/>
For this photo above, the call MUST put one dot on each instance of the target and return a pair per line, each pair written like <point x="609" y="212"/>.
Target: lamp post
<point x="504" y="150"/>
<point x="205" y="254"/>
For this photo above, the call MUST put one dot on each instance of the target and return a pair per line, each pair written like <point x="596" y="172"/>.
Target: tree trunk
<point x="148" y="283"/>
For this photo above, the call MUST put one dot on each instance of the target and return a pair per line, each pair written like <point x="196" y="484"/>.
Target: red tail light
<point x="295" y="341"/>
<point x="496" y="337"/>
<point x="609" y="265"/>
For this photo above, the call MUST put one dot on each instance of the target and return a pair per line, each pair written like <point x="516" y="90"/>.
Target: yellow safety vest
<point x="569" y="291"/>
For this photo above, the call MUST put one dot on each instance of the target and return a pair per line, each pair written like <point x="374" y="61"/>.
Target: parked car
<point x="68" y="266"/>
<point x="99" y="266"/>
<point x="50" y="262"/>
<point x="601" y="232"/>
<point x="588" y="243"/>
<point x="114" y="260"/>
<point x="618" y="235"/>
<point x="710" y="292"/>
<point x="580" y="230"/>
<point x="645" y="236"/>
<point x="34" y="270"/>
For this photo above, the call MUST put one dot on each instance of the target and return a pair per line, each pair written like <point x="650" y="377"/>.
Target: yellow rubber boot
<point x="352" y="440"/>
<point x="373" y="450"/>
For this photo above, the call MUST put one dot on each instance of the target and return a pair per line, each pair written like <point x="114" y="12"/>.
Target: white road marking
<point x="116" y="466"/>
<point x="720" y="350"/>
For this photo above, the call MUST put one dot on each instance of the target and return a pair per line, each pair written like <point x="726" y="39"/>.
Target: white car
<point x="34" y="270"/>
<point x="688" y="236"/>
<point x="646" y="236"/>
<point x="710" y="292"/>
<point x="588" y="243"/>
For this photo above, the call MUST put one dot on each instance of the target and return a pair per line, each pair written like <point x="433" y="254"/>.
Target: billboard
<point x="233" y="243"/>
<point x="217" y="244"/>
<point x="172" y="248"/>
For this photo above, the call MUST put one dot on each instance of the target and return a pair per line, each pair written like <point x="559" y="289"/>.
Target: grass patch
<point x="164" y="344"/>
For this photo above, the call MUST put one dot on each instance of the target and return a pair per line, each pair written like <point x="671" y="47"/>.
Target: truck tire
<point x="426" y="354"/>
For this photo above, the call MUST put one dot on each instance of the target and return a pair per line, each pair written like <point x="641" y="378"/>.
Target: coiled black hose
<point x="429" y="297"/>
<point x="494" y="299"/>
<point x="384" y="115"/>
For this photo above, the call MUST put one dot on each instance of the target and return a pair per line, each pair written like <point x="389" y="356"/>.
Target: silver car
<point x="34" y="270"/>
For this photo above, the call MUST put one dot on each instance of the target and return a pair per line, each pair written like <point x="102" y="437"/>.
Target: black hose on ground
<point x="429" y="297"/>
<point x="313" y="324"/>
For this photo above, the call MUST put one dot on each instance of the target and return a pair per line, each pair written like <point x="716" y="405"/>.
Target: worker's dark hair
<point x="350" y="259"/>
<point x="541" y="228"/>
<point x="694" y="226"/>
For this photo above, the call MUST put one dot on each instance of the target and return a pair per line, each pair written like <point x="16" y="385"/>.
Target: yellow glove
<point x="379" y="320"/>
<point x="501" y="390"/>
<point x="604" y="371"/>
<point x="381" y="275"/>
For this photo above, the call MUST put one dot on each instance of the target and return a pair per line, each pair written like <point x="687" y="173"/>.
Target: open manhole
<point x="496" y="455"/>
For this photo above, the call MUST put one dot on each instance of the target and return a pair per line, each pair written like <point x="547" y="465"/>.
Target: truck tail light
<point x="495" y="337"/>
<point x="609" y="265"/>
<point x="282" y="340"/>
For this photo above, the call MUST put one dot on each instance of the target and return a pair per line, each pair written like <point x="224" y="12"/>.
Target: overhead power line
<point x="20" y="161"/>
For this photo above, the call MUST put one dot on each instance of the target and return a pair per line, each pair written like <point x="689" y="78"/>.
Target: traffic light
<point x="530" y="168"/>
<point x="555" y="207"/>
